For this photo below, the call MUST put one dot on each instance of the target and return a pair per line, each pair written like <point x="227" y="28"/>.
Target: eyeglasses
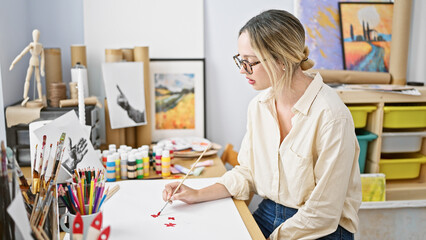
<point x="245" y="64"/>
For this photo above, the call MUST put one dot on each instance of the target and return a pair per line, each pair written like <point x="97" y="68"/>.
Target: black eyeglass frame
<point x="248" y="66"/>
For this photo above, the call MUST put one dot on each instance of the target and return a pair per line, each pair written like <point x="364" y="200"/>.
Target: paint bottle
<point x="146" y="148"/>
<point x="128" y="149"/>
<point x="145" y="160"/>
<point x="165" y="163"/>
<point x="139" y="165"/>
<point x="112" y="147"/>
<point x="110" y="167"/>
<point x="131" y="166"/>
<point x="123" y="163"/>
<point x="154" y="150"/>
<point x="117" y="165"/>
<point x="170" y="147"/>
<point x="123" y="147"/>
<point x="105" y="154"/>
<point x="158" y="152"/>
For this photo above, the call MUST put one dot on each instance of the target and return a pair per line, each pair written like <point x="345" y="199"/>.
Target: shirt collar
<point x="266" y="96"/>
<point x="305" y="102"/>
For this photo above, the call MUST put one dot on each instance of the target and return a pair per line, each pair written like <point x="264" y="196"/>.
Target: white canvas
<point x="129" y="211"/>
<point x="124" y="87"/>
<point x="79" y="136"/>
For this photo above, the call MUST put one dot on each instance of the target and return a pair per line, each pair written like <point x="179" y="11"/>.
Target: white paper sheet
<point x="129" y="211"/>
<point x="69" y="124"/>
<point x="18" y="213"/>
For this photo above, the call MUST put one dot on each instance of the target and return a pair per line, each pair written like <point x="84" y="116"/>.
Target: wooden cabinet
<point x="408" y="189"/>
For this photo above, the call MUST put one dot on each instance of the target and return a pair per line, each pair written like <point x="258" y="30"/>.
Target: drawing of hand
<point x="11" y="67"/>
<point x="122" y="100"/>
<point x="78" y="151"/>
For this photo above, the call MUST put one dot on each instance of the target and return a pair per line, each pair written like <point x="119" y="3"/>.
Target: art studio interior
<point x="203" y="119"/>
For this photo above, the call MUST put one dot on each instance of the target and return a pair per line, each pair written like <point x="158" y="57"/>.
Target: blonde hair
<point x="278" y="40"/>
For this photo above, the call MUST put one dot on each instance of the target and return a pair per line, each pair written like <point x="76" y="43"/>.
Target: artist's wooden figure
<point x="36" y="50"/>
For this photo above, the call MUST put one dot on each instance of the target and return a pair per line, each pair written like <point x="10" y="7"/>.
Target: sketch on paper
<point x="124" y="87"/>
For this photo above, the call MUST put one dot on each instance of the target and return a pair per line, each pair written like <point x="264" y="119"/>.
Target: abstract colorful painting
<point x="177" y="98"/>
<point x="322" y="27"/>
<point x="366" y="35"/>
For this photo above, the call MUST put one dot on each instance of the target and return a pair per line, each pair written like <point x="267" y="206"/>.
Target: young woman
<point x="300" y="152"/>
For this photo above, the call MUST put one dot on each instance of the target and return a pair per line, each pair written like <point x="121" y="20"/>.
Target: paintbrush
<point x="5" y="200"/>
<point x="22" y="179"/>
<point x="45" y="165"/>
<point x="186" y="176"/>
<point x="58" y="152"/>
<point x="36" y="177"/>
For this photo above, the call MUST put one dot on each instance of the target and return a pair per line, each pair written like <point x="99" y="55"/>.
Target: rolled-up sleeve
<point x="333" y="170"/>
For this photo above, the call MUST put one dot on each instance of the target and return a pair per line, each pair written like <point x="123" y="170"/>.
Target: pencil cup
<point x="87" y="221"/>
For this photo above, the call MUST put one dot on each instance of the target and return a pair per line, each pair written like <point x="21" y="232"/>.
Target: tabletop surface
<point x="216" y="170"/>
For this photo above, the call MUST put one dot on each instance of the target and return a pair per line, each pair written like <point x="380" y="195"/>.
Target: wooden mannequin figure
<point x="36" y="49"/>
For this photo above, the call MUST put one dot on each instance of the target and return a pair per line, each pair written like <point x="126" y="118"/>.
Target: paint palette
<point x="185" y="143"/>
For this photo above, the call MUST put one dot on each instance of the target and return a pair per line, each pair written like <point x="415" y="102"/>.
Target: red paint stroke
<point x="170" y="224"/>
<point x="154" y="215"/>
<point x="171" y="218"/>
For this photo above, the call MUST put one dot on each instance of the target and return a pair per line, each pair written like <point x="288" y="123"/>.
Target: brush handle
<point x="190" y="170"/>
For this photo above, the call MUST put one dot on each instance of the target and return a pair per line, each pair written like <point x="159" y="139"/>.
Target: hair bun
<point x="306" y="62"/>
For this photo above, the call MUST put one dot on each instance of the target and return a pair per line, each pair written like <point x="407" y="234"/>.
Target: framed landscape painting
<point x="177" y="98"/>
<point x="366" y="35"/>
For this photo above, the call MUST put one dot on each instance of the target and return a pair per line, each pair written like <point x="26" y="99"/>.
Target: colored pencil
<point x="79" y="199"/>
<point x="103" y="199"/>
<point x="91" y="196"/>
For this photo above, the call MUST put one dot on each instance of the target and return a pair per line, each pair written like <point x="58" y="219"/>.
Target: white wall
<point x="228" y="92"/>
<point x="15" y="36"/>
<point x="171" y="29"/>
<point x="60" y="24"/>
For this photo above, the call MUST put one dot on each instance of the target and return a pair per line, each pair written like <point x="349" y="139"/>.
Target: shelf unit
<point x="409" y="189"/>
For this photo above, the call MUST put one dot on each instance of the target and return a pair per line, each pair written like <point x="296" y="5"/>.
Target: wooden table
<point x="217" y="170"/>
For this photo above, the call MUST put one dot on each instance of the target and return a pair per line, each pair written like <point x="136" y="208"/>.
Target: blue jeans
<point x="270" y="215"/>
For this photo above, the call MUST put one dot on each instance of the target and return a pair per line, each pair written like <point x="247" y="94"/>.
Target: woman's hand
<point x="184" y="194"/>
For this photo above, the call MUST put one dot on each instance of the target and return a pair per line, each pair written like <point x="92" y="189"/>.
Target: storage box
<point x="359" y="114"/>
<point x="399" y="142"/>
<point x="364" y="137"/>
<point x="373" y="187"/>
<point x="401" y="165"/>
<point x="404" y="117"/>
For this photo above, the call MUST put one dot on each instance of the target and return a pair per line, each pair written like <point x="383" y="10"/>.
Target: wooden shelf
<point x="409" y="189"/>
